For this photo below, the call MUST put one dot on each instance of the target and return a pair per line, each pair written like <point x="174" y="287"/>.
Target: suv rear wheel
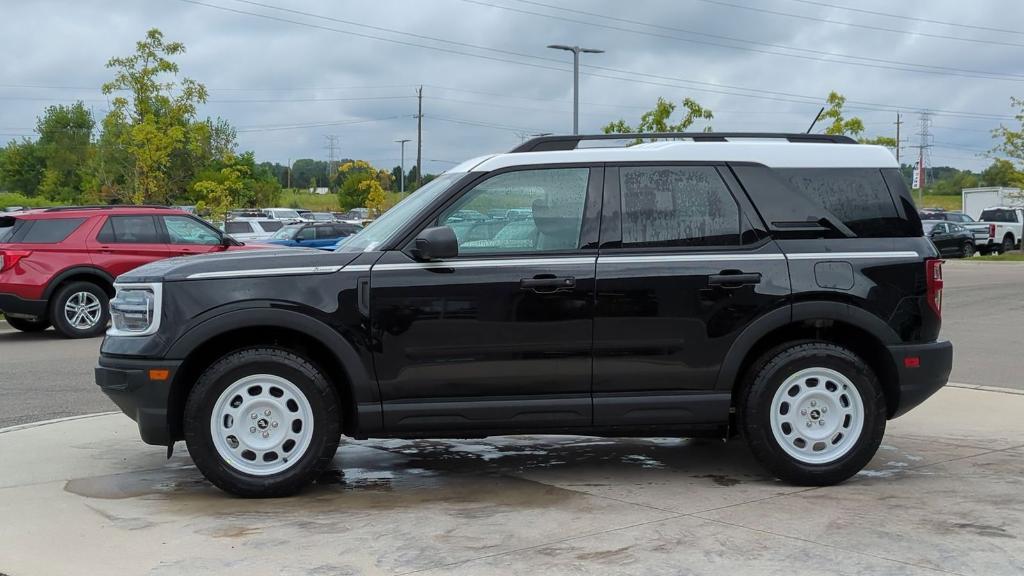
<point x="813" y="413"/>
<point x="26" y="325"/>
<point x="262" y="422"/>
<point x="80" y="310"/>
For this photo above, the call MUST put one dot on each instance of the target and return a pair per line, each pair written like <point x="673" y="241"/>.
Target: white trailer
<point x="974" y="200"/>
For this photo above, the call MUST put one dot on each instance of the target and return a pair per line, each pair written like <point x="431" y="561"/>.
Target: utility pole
<point x="402" y="176"/>
<point x="289" y="173"/>
<point x="576" y="50"/>
<point x="419" y="137"/>
<point x="899" y="144"/>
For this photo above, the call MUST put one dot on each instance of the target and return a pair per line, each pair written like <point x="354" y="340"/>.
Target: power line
<point x="821" y="55"/>
<point x="275" y="127"/>
<point x="864" y="26"/>
<point x="680" y="83"/>
<point x="904" y="17"/>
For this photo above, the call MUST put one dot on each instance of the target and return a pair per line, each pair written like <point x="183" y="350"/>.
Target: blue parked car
<point x="313" y="235"/>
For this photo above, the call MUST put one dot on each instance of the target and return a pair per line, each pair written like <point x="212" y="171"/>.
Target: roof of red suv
<point x="79" y="211"/>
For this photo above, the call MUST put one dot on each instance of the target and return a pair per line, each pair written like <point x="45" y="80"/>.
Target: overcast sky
<point x="489" y="81"/>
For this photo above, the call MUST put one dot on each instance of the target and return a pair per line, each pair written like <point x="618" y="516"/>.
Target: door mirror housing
<point x="435" y="243"/>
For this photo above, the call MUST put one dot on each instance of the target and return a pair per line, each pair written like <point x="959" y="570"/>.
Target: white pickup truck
<point x="999" y="229"/>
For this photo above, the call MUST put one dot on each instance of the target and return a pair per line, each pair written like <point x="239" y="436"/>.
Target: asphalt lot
<point x="43" y="376"/>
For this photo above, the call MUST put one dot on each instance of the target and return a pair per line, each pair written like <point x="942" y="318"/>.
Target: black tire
<point x="26" y="325"/>
<point x="1008" y="244"/>
<point x="62" y="324"/>
<point x="767" y="376"/>
<point x="300" y="372"/>
<point x="968" y="250"/>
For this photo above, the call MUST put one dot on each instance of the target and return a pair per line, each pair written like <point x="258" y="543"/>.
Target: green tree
<point x="65" y="141"/>
<point x="840" y="125"/>
<point x="220" y="191"/>
<point x="1011" y="146"/>
<point x="659" y="118"/>
<point x="352" y="193"/>
<point x="155" y="121"/>
<point x="1001" y="173"/>
<point x="22" y="167"/>
<point x="852" y="126"/>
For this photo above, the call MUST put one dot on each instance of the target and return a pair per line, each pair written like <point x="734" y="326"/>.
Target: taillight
<point x="991" y="230"/>
<point x="933" y="275"/>
<point x="8" y="258"/>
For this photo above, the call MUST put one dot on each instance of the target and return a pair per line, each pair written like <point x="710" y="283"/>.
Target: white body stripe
<point x="851" y="255"/>
<point x="642" y="259"/>
<point x="513" y="262"/>
<point x="632" y="259"/>
<point x="265" y="272"/>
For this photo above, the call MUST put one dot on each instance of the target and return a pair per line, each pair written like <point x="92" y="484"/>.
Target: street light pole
<point x="576" y="50"/>
<point x="402" y="176"/>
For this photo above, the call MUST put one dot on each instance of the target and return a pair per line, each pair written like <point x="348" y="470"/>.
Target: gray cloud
<point x="266" y="74"/>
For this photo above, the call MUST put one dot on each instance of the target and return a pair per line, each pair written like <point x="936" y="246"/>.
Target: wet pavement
<point x="943" y="495"/>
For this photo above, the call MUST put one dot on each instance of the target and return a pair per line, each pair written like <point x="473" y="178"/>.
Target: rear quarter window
<point x="7" y="227"/>
<point x="50" y="231"/>
<point x="237" y="227"/>
<point x="271" y="225"/>
<point x="859" y="197"/>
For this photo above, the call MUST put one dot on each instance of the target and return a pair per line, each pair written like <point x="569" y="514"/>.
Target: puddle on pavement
<point x="394" y="472"/>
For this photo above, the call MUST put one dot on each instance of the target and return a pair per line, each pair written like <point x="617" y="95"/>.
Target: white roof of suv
<point x="772" y="150"/>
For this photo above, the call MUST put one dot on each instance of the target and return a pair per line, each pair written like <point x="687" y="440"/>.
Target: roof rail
<point x="107" y="207"/>
<point x="571" y="142"/>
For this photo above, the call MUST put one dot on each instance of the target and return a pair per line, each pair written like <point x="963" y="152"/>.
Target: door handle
<point x="734" y="279"/>
<point x="547" y="283"/>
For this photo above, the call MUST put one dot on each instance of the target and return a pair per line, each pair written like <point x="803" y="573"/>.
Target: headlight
<point x="135" y="310"/>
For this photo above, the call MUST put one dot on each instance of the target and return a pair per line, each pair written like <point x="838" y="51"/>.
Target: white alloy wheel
<point x="83" y="310"/>
<point x="261" y="424"/>
<point x="817" y="415"/>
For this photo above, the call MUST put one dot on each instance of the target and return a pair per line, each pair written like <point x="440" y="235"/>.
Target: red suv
<point x="58" y="265"/>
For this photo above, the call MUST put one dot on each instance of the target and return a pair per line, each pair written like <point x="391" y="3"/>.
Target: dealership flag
<point x="917" y="177"/>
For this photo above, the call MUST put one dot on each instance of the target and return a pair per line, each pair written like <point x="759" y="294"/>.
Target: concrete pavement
<point x="943" y="496"/>
<point x="983" y="315"/>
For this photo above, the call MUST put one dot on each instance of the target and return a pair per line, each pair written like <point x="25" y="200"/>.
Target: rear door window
<point x="186" y="230"/>
<point x="271" y="225"/>
<point x="51" y="231"/>
<point x="130" y="230"/>
<point x="671" y="206"/>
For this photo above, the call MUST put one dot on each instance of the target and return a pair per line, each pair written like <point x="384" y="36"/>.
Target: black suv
<point x="778" y="286"/>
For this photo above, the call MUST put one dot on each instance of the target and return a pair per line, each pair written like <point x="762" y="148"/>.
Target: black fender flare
<point x="799" y="311"/>
<point x="363" y="387"/>
<point x="76" y="271"/>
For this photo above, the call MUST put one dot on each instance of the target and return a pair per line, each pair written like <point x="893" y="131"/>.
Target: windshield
<point x="384" y="227"/>
<point x="286" y="233"/>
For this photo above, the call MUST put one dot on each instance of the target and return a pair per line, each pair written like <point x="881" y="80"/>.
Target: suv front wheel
<point x="813" y="413"/>
<point x="262" y="422"/>
<point x="80" y="310"/>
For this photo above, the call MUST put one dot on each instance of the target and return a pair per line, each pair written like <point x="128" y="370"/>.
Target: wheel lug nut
<point x="273" y="424"/>
<point x="824" y="409"/>
<point x="253" y="416"/>
<point x="803" y="412"/>
<point x="252" y="429"/>
<point x="821" y="422"/>
<point x="808" y="423"/>
<point x="813" y="403"/>
<point x="266" y="434"/>
<point x="266" y="413"/>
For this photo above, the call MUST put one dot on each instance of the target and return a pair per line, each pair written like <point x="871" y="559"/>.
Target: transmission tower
<point x="924" y="144"/>
<point x="332" y="163"/>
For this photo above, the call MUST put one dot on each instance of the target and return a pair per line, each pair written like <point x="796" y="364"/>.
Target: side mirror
<point x="435" y="244"/>
<point x="227" y="241"/>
